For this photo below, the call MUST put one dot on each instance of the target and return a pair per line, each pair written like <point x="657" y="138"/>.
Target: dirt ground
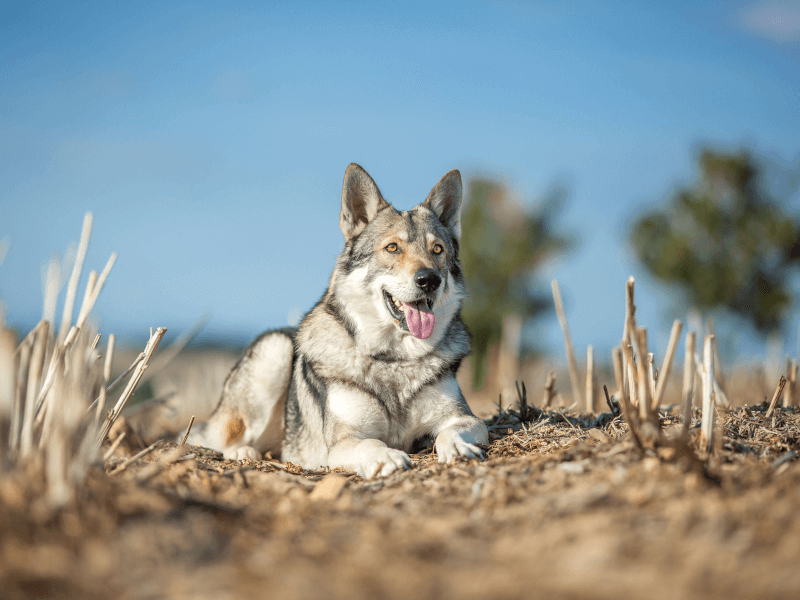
<point x="564" y="506"/>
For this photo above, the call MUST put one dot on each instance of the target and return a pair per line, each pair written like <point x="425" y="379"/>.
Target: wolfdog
<point x="371" y="368"/>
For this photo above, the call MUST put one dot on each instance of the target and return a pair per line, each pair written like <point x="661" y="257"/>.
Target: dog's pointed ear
<point x="361" y="201"/>
<point x="445" y="201"/>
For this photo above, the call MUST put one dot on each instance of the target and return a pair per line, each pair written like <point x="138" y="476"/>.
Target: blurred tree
<point x="725" y="242"/>
<point x="501" y="246"/>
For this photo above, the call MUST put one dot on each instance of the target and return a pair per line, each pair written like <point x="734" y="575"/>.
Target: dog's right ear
<point x="361" y="201"/>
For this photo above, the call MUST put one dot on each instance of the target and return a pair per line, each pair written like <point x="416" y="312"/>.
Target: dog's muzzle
<point x="427" y="280"/>
<point x="415" y="317"/>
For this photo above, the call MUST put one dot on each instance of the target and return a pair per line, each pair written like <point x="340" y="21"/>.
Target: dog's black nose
<point x="427" y="280"/>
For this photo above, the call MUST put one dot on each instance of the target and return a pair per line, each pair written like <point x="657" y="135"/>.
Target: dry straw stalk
<point x="687" y="395"/>
<point x="152" y="345"/>
<point x="51" y="430"/>
<point x="791" y="381"/>
<point x="707" y="423"/>
<point x="666" y="366"/>
<point x="776" y="397"/>
<point x="590" y="392"/>
<point x="573" y="365"/>
<point x="72" y="286"/>
<point x="549" y="389"/>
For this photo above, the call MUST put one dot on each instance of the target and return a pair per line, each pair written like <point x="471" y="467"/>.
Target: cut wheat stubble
<point x="707" y="422"/>
<point x="687" y="394"/>
<point x="776" y="397"/>
<point x="150" y="348"/>
<point x="573" y="366"/>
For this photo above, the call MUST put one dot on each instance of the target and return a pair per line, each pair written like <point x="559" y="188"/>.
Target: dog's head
<point x="399" y="276"/>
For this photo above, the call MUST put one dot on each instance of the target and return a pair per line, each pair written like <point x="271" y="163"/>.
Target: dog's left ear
<point x="445" y="201"/>
<point x="361" y="201"/>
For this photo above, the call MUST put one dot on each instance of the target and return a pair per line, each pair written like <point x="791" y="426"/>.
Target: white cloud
<point x="776" y="20"/>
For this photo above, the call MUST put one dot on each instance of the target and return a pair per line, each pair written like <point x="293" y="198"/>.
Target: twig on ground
<point x="136" y="457"/>
<point x="110" y="452"/>
<point x="162" y="463"/>
<point x="568" y="422"/>
<point x="188" y="429"/>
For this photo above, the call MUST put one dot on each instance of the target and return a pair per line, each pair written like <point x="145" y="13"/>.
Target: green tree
<point x="502" y="245"/>
<point x="725" y="241"/>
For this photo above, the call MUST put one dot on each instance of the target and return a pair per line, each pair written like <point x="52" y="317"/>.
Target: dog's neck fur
<point x="380" y="360"/>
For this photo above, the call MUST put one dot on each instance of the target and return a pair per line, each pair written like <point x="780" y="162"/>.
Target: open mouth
<point x="417" y="317"/>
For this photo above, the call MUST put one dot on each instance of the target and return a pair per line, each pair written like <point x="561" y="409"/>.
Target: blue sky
<point x="210" y="139"/>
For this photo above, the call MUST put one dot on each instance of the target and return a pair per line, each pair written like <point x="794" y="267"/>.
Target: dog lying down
<point x="371" y="368"/>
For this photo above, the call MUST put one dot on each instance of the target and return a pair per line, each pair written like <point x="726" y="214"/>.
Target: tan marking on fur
<point x="234" y="429"/>
<point x="414" y="259"/>
<point x="413" y="256"/>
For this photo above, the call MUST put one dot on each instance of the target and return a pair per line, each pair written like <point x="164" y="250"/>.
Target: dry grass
<point x="566" y="505"/>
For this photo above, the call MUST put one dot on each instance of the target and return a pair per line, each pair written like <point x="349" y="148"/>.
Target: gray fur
<point x="363" y="389"/>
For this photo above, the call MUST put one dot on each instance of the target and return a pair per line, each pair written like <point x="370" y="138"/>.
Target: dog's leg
<point x="440" y="410"/>
<point x="249" y="417"/>
<point x="369" y="458"/>
<point x="459" y="436"/>
<point x="355" y="427"/>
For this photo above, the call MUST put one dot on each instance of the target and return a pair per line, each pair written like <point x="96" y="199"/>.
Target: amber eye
<point x="393" y="248"/>
<point x="437" y="249"/>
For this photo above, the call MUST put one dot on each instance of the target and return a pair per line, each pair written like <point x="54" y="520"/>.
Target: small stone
<point x="572" y="467"/>
<point x="598" y="436"/>
<point x="329" y="487"/>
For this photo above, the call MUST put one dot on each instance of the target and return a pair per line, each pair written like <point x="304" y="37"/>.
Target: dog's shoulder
<point x="325" y="329"/>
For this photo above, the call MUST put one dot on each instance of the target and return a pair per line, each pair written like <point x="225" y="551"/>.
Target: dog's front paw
<point x="380" y="462"/>
<point x="450" y="444"/>
<point x="241" y="453"/>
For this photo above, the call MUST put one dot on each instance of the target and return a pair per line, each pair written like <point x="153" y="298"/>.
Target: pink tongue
<point x="420" y="319"/>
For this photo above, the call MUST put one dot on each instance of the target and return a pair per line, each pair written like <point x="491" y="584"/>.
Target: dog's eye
<point x="393" y="248"/>
<point x="437" y="249"/>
